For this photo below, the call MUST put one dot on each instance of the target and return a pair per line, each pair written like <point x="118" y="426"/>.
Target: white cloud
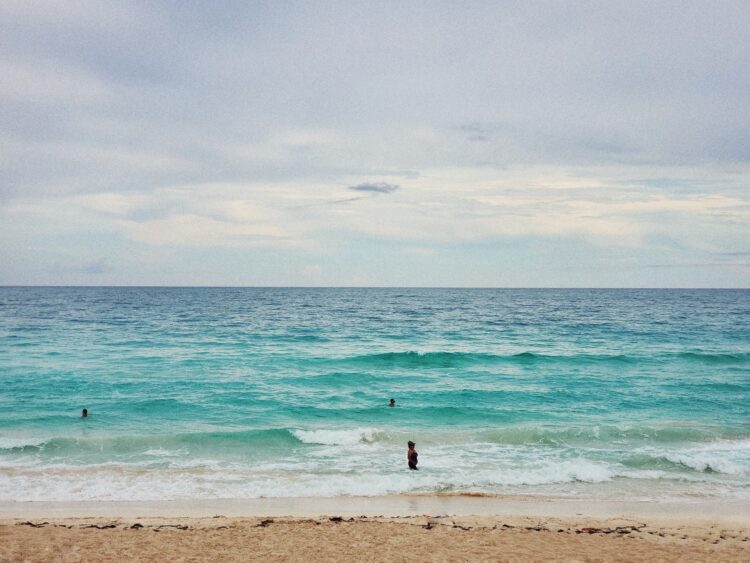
<point x="73" y="14"/>
<point x="117" y="204"/>
<point x="247" y="127"/>
<point x="431" y="209"/>
<point x="49" y="82"/>
<point x="197" y="231"/>
<point x="419" y="251"/>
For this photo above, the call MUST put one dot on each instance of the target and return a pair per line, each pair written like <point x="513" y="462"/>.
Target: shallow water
<point x="238" y="393"/>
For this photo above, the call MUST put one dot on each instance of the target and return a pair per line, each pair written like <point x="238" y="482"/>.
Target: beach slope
<point x="372" y="538"/>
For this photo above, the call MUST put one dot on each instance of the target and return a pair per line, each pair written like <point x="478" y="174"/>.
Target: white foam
<point x="337" y="437"/>
<point x="161" y="452"/>
<point x="8" y="442"/>
<point x="730" y="457"/>
<point x="369" y="473"/>
<point x="368" y="462"/>
<point x="370" y="478"/>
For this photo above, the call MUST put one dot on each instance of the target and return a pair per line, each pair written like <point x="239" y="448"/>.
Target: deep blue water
<point x="247" y="392"/>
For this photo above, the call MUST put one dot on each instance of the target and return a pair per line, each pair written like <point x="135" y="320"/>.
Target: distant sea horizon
<point x="373" y="287"/>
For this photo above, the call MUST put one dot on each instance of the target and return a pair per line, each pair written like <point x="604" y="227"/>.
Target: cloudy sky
<point x="499" y="144"/>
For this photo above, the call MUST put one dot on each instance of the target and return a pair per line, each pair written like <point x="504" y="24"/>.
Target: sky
<point x="466" y="144"/>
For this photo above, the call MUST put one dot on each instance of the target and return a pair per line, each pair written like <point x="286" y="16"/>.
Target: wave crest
<point x="441" y="359"/>
<point x="453" y="359"/>
<point x="338" y="437"/>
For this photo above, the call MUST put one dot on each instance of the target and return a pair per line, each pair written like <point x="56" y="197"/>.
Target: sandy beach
<point x="519" y="530"/>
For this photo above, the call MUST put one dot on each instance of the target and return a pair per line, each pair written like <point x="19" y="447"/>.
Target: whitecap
<point x="337" y="437"/>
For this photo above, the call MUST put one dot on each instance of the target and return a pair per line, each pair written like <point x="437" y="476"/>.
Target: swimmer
<point x="392" y="403"/>
<point x="411" y="456"/>
<point x="84" y="413"/>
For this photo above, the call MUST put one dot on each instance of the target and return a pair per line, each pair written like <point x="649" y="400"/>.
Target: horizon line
<point x="136" y="286"/>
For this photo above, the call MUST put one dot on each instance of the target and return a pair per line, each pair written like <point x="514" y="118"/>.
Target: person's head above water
<point x="392" y="403"/>
<point x="411" y="444"/>
<point x="84" y="413"/>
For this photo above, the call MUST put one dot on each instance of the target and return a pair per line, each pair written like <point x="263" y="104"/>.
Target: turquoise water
<point x="237" y="393"/>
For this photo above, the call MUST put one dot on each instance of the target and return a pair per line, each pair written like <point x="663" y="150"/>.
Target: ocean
<point x="210" y="393"/>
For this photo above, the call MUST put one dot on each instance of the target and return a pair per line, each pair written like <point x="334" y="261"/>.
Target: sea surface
<point x="283" y="392"/>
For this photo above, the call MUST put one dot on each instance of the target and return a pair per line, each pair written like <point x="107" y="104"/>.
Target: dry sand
<point x="371" y="538"/>
<point x="390" y="528"/>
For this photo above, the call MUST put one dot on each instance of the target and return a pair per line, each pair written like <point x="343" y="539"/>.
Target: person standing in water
<point x="411" y="456"/>
<point x="84" y="413"/>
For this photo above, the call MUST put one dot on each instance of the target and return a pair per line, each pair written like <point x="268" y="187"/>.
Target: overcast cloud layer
<point x="345" y="143"/>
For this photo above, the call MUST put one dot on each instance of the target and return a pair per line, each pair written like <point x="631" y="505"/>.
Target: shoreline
<point x="391" y="506"/>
